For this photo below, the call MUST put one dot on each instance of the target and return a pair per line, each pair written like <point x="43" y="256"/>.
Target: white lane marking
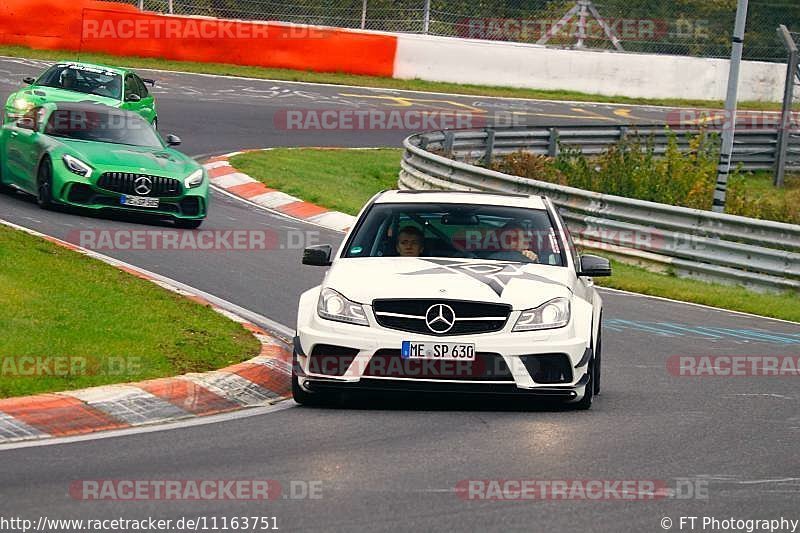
<point x="180" y="424"/>
<point x="702" y="306"/>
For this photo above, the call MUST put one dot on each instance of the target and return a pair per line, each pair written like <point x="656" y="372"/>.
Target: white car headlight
<point x="549" y="315"/>
<point x="195" y="179"/>
<point x="334" y="306"/>
<point x="76" y="166"/>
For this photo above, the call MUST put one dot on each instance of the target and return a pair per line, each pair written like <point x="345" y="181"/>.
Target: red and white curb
<point x="223" y="175"/>
<point x="261" y="381"/>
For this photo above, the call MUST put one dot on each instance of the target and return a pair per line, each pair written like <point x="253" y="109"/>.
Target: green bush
<point x="682" y="177"/>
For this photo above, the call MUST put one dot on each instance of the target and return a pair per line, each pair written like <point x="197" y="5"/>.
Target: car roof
<point x="116" y="70"/>
<point x="459" y="197"/>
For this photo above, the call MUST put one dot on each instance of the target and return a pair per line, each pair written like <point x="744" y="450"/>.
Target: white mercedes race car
<point x="452" y="292"/>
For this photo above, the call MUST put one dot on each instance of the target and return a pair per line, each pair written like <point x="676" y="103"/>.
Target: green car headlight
<point x="195" y="179"/>
<point x="76" y="166"/>
<point x="22" y="105"/>
<point x="549" y="315"/>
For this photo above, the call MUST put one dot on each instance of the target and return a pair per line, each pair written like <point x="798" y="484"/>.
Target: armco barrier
<point x="117" y="29"/>
<point x="760" y="254"/>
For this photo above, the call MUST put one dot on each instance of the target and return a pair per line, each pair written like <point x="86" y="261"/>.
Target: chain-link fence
<point x="679" y="27"/>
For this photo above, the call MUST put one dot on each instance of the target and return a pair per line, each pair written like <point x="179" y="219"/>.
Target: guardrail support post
<point x="426" y="18"/>
<point x="552" y="147"/>
<point x="449" y="141"/>
<point x="786" y="112"/>
<point x="489" y="155"/>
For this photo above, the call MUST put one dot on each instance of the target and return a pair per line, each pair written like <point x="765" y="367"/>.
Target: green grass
<point x="365" y="81"/>
<point x="58" y="303"/>
<point x="345" y="179"/>
<point x="635" y="279"/>
<point x="342" y="180"/>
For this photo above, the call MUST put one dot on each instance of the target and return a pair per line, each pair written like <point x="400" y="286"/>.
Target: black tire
<point x="44" y="184"/>
<point x="188" y="224"/>
<point x="598" y="359"/>
<point x="306" y="398"/>
<point x="300" y="395"/>
<point x="586" y="402"/>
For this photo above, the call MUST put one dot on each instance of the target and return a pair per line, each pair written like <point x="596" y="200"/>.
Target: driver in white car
<point x="410" y="242"/>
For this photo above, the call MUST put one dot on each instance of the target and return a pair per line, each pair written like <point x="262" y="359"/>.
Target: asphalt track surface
<point x="393" y="464"/>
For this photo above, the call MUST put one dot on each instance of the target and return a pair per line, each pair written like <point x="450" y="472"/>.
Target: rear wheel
<point x="188" y="224"/>
<point x="44" y="184"/>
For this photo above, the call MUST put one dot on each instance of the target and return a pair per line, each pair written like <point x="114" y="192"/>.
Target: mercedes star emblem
<point x="143" y="185"/>
<point x="440" y="318"/>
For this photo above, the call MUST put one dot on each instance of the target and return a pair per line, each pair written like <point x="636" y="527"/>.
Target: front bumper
<point x="191" y="205"/>
<point x="336" y="356"/>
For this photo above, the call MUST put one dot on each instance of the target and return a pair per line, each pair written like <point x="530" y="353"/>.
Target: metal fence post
<point x="141" y="5"/>
<point x="729" y="127"/>
<point x="449" y="140"/>
<point x="552" y="146"/>
<point x="171" y="7"/>
<point x="364" y="15"/>
<point x="426" y="18"/>
<point x="786" y="113"/>
<point x="489" y="155"/>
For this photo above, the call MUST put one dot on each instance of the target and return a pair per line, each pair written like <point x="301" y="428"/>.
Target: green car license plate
<point x="138" y="201"/>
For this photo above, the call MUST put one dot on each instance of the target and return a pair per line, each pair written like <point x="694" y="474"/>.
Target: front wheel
<point x="586" y="402"/>
<point x="188" y="224"/>
<point x="303" y="397"/>
<point x="44" y="184"/>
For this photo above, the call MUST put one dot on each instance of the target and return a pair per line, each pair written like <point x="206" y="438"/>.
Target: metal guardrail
<point x="759" y="254"/>
<point x="754" y="149"/>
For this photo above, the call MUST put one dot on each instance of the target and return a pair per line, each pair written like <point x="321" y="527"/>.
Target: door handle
<point x="14" y="133"/>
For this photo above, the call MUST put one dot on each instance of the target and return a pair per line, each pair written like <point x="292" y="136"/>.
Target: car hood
<point x="158" y="161"/>
<point x="522" y="286"/>
<point x="40" y="95"/>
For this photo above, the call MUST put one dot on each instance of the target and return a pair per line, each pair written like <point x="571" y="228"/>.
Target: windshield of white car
<point x="484" y="232"/>
<point x="83" y="79"/>
<point x="102" y="124"/>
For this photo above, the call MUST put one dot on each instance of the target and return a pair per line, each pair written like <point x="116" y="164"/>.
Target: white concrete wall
<point x="596" y="72"/>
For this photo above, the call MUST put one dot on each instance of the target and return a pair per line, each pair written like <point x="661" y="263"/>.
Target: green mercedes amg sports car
<point x="84" y="82"/>
<point x="98" y="157"/>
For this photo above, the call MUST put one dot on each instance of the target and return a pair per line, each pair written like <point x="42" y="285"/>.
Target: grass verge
<point x="341" y="78"/>
<point x="345" y="179"/>
<point x="636" y="279"/>
<point x="97" y="324"/>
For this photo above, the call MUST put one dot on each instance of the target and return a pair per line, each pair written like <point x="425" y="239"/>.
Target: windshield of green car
<point x="83" y="79"/>
<point x="102" y="124"/>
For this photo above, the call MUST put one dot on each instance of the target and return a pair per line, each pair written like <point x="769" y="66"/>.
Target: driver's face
<point x="409" y="245"/>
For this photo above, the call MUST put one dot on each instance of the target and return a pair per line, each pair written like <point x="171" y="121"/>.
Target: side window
<point x="130" y="86"/>
<point x="141" y="86"/>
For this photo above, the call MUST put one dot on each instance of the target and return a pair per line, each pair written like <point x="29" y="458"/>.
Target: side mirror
<point x="593" y="266"/>
<point x="133" y="97"/>
<point x="26" y="123"/>
<point x="173" y="140"/>
<point x="30" y="80"/>
<point x="319" y="255"/>
<point x="150" y="82"/>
